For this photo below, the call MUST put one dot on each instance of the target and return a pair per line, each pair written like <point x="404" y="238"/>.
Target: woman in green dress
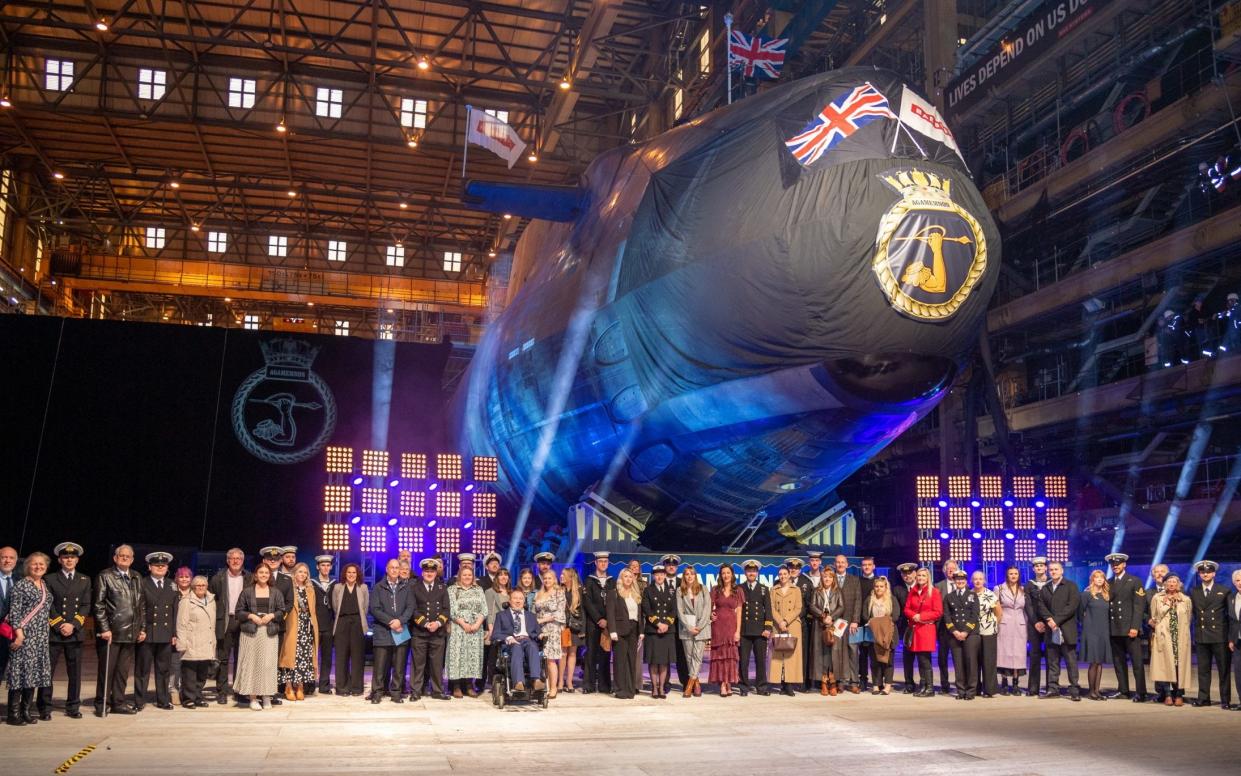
<point x="467" y="605"/>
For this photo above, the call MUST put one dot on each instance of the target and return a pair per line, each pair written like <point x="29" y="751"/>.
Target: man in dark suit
<point x="672" y="565"/>
<point x="323" y="584"/>
<point x="900" y="591"/>
<point x="430" y="636"/>
<point x="851" y="595"/>
<point x="1057" y="607"/>
<point x="226" y="586"/>
<point x="1234" y="632"/>
<point x="519" y="631"/>
<point x="8" y="577"/>
<point x="961" y="622"/>
<point x="945" y="586"/>
<point x="1036" y="627"/>
<point x="1210" y="632"/>
<point x="391" y="608"/>
<point x="756" y="624"/>
<point x="71" y="599"/>
<point x="161" y="633"/>
<point x="865" y="648"/>
<point x="491" y="569"/>
<point x="596" y="589"/>
<point x="1126" y="612"/>
<point x="807" y="586"/>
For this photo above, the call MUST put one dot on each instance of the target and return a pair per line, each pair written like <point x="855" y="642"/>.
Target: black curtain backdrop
<point x="138" y="443"/>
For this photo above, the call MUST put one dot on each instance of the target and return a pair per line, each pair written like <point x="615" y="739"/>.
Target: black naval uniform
<point x="429" y="606"/>
<point x="326" y="618"/>
<point x="1038" y="641"/>
<point x="1125" y="613"/>
<point x="597" y="673"/>
<point x="1211" y="640"/>
<point x="961" y="614"/>
<point x="156" y="650"/>
<point x="755" y="618"/>
<point x="119" y="608"/>
<point x="808" y="626"/>
<point x="901" y="593"/>
<point x="71" y="601"/>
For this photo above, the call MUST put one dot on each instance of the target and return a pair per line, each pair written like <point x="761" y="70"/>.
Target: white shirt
<point x="631" y="606"/>
<point x="235" y="585"/>
<point x="1206" y="589"/>
<point x="68" y="575"/>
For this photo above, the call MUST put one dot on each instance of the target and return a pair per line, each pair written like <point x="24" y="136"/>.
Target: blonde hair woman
<point x="880" y="614"/>
<point x="1170" y="643"/>
<point x="299" y="645"/>
<point x="574" y="633"/>
<point x="549" y="608"/>
<point x="694" y="625"/>
<point x="1096" y="642"/>
<point x="624" y="623"/>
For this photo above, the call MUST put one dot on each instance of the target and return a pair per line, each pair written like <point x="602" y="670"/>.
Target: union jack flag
<point x="750" y="54"/>
<point x="839" y="119"/>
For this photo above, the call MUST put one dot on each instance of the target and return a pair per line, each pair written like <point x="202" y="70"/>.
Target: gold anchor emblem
<point x="935" y="279"/>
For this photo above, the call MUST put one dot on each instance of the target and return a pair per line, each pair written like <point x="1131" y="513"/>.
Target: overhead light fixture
<point x="102" y="25"/>
<point x="310" y="304"/>
<point x="193" y="227"/>
<point x="412" y="143"/>
<point x="281" y="127"/>
<point x="292" y="192"/>
<point x="228" y="299"/>
<point x="491" y="254"/>
<point x="424" y="63"/>
<point x="174" y="183"/>
<point x="5" y="102"/>
<point x="533" y="157"/>
<point x="565" y="84"/>
<point x="404" y="205"/>
<point x="390" y="310"/>
<point x="58" y="175"/>
<point x="508" y="216"/>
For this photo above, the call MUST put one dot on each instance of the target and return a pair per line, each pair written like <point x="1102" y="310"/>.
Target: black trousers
<point x="681" y="662"/>
<point x="1205" y="653"/>
<point x="1038" y="649"/>
<point x="389" y="662"/>
<point x="945" y="643"/>
<point x="226" y="655"/>
<point x="866" y="665"/>
<point x="758" y="646"/>
<point x="907" y="664"/>
<point x="809" y="625"/>
<point x="625" y="652"/>
<point x="925" y="676"/>
<point x="4" y="655"/>
<point x="159" y="657"/>
<point x="350" y="655"/>
<point x="1055" y="652"/>
<point x="597" y="673"/>
<point x="193" y="677"/>
<point x="489" y="661"/>
<point x="72" y="651"/>
<point x="965" y="662"/>
<point x="988" y="679"/>
<point x="428" y="661"/>
<point x="1124" y="648"/>
<point x="325" y="658"/>
<point x="116" y="662"/>
<point x="882" y="672"/>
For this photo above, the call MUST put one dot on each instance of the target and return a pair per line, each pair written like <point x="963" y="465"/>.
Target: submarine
<point x="727" y="320"/>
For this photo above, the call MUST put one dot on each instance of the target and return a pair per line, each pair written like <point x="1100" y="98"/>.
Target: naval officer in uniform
<point x="1210" y="633"/>
<point x="323" y="584"/>
<point x="161" y="633"/>
<point x="961" y="625"/>
<point x="71" y="603"/>
<point x="430" y="633"/>
<point x="756" y="624"/>
<point x="1125" y="614"/>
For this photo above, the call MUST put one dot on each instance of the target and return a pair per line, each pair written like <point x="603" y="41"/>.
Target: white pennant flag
<point x="922" y="117"/>
<point x="494" y="135"/>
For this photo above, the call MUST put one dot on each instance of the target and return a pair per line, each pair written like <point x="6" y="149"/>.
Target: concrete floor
<point x="600" y="735"/>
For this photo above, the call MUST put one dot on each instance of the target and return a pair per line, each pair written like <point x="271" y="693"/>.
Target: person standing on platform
<point x="273" y="557"/>
<point x="574" y="628"/>
<point x="1234" y="633"/>
<point x="786" y="613"/>
<point x="1011" y="643"/>
<point x="8" y="564"/>
<point x="323" y="584"/>
<point x="491" y="569"/>
<point x="431" y="610"/>
<point x="261" y="611"/>
<point x="756" y="624"/>
<point x="30" y="663"/>
<point x="391" y="608"/>
<point x="71" y="599"/>
<point x="1159" y="572"/>
<point x="1210" y="633"/>
<point x="1058" y="606"/>
<point x="182" y="579"/>
<point x="1037" y="633"/>
<point x="807" y="579"/>
<point x="900" y="591"/>
<point x="659" y="620"/>
<point x="1128" y="605"/>
<point x="299" y="644"/>
<point x="924" y="608"/>
<point x="542" y="562"/>
<point x="827" y="605"/>
<point x="467" y="605"/>
<point x="497" y="601"/>
<point x="597" y="673"/>
<point x="961" y="623"/>
<point x="195" y="641"/>
<point x="120" y="611"/>
<point x="1096" y="647"/>
<point x="549" y="613"/>
<point x="989" y="614"/>
<point x="351" y="601"/>
<point x="161" y="633"/>
<point x="288" y="562"/>
<point x="866" y="642"/>
<point x="672" y="569"/>
<point x="882" y="611"/>
<point x="726" y="604"/>
<point x="1170" y="647"/>
<point x="226" y="586"/>
<point x="623" y="621"/>
<point x="694" y="626"/>
<point x="526" y="583"/>
<point x="851" y="593"/>
<point x="945" y="586"/>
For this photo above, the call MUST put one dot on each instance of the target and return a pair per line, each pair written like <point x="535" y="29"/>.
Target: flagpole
<point x="728" y="53"/>
<point x="465" y="154"/>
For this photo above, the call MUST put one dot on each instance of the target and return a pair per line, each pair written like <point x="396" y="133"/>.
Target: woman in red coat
<point x="923" y="609"/>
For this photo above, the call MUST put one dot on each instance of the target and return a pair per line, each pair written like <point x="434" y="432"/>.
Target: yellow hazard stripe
<point x="74" y="760"/>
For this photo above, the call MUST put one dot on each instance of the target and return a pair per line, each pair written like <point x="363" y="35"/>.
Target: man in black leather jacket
<point x="119" y="614"/>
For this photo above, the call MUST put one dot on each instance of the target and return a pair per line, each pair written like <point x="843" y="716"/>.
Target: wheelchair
<point x="502" y="685"/>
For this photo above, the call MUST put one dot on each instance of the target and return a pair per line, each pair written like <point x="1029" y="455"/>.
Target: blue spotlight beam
<point x="381" y="392"/>
<point x="1221" y="507"/>
<point x="1197" y="445"/>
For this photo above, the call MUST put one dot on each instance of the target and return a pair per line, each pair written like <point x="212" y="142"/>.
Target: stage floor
<point x="601" y="735"/>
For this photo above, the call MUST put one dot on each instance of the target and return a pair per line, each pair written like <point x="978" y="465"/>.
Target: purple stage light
<point x="1008" y="502"/>
<point x="942" y="503"/>
<point x="433" y="486"/>
<point x="469" y="487"/>
<point x="431" y="523"/>
<point x="469" y="524"/>
<point x="975" y="503"/>
<point x="391" y="521"/>
<point x="394" y="483"/>
<point x="1040" y="535"/>
<point x="976" y="535"/>
<point x="357" y="480"/>
<point x="1040" y="504"/>
<point x="355" y="520"/>
<point x="1009" y="536"/>
<point x="943" y="534"/>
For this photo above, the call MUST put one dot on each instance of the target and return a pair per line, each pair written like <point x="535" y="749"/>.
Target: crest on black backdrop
<point x="283" y="412"/>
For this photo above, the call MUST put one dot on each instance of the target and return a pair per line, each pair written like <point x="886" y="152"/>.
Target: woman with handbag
<point x="786" y="642"/>
<point x="624" y="622"/>
<point x="923" y="609"/>
<point x="881" y="614"/>
<point x="694" y="626"/>
<point x="195" y="641"/>
<point x="727" y="599"/>
<point x="574" y="634"/>
<point x="830" y="650"/>
<point x="30" y="661"/>
<point x="260" y="608"/>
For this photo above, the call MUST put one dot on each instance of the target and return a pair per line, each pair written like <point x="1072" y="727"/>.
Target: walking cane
<point x="107" y="687"/>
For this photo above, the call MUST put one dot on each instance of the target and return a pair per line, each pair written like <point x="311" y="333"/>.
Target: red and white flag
<point x="922" y="117"/>
<point x="494" y="135"/>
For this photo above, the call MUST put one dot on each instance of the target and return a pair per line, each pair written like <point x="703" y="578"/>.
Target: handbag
<point x="6" y="628"/>
<point x="783" y="643"/>
<point x="829" y="636"/>
<point x="566" y="638"/>
<point x="605" y="641"/>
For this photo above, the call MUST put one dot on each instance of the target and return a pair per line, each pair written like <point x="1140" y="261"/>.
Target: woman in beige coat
<point x="1170" y="643"/>
<point x="299" y="642"/>
<point x="786" y="610"/>
<point x="195" y="641"/>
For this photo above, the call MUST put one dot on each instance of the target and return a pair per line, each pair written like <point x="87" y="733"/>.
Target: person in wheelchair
<point x="517" y="630"/>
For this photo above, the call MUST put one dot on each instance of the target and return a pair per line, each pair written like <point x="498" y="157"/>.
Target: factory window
<point x="250" y="322"/>
<point x="387" y="331"/>
<point x="502" y="115"/>
<point x="277" y="245"/>
<point x="413" y="113"/>
<point x="336" y="250"/>
<point x="396" y="256"/>
<point x="241" y="93"/>
<point x="328" y="102"/>
<point x="59" y="74"/>
<point x="342" y="328"/>
<point x="209" y="321"/>
<point x="452" y="261"/>
<point x="217" y="242"/>
<point x="151" y="84"/>
<point x="155" y="237"/>
<point x="704" y="51"/>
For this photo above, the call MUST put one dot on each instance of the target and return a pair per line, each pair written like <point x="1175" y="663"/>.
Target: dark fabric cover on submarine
<point x="740" y="208"/>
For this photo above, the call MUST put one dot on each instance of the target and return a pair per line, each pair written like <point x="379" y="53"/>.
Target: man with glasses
<point x="120" y="613"/>
<point x="226" y="586"/>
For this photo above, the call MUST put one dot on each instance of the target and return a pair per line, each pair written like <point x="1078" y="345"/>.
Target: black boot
<point x="14" y="715"/>
<point x="28" y="713"/>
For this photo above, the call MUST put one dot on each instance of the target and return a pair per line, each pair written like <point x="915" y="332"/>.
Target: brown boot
<point x="823" y="686"/>
<point x="697" y="688"/>
<point x="289" y="695"/>
<point x="689" y="688"/>
<point x="301" y="692"/>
